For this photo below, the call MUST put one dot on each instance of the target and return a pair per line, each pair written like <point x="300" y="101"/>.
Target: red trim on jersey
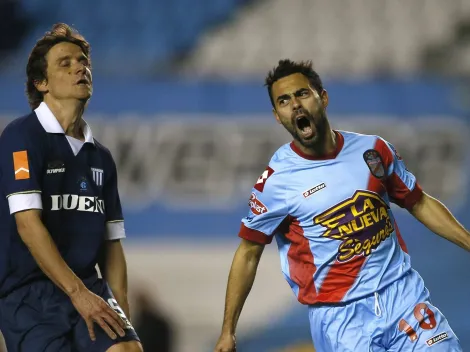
<point x="401" y="241"/>
<point x="300" y="259"/>
<point x="254" y="235"/>
<point x="385" y="153"/>
<point x="396" y="188"/>
<point x="342" y="276"/>
<point x="334" y="154"/>
<point x="339" y="280"/>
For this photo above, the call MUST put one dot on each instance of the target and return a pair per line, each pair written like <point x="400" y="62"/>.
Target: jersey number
<point x="423" y="324"/>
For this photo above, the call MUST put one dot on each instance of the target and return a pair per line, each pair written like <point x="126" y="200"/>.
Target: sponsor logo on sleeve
<point x="436" y="339"/>
<point x="21" y="165"/>
<point x="257" y="207"/>
<point x="259" y="186"/>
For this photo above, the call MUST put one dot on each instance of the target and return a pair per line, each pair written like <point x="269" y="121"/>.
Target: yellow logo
<point x="361" y="222"/>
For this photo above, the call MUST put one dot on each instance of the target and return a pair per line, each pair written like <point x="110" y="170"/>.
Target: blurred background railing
<point x="179" y="100"/>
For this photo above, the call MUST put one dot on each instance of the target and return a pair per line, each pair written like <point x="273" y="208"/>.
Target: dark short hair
<point x="36" y="69"/>
<point x="288" y="67"/>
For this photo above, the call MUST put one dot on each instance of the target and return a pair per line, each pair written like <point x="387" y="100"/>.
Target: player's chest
<point x="335" y="188"/>
<point x="65" y="173"/>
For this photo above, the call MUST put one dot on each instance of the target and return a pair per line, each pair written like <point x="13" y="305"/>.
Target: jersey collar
<point x="339" y="146"/>
<point x="51" y="125"/>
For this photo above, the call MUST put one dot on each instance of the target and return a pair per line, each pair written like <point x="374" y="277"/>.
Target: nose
<point x="295" y="103"/>
<point x="80" y="68"/>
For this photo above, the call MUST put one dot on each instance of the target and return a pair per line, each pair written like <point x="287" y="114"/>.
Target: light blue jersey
<point x="331" y="217"/>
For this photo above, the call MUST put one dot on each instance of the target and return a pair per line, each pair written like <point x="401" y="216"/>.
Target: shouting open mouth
<point x="305" y="127"/>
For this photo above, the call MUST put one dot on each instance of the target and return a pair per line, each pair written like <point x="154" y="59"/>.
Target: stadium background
<point x="179" y="99"/>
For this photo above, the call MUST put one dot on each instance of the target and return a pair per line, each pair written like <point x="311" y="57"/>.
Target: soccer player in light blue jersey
<point x="325" y="197"/>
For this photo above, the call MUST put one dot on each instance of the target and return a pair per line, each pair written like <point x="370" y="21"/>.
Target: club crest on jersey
<point x="97" y="176"/>
<point x="257" y="207"/>
<point x="259" y="185"/>
<point x="361" y="223"/>
<point x="375" y="163"/>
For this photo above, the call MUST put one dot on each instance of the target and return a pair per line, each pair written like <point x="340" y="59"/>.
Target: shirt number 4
<point x="423" y="324"/>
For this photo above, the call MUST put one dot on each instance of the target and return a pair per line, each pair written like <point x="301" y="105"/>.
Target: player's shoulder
<point x="361" y="141"/>
<point x="278" y="169"/>
<point x="283" y="159"/>
<point x="350" y="136"/>
<point x="104" y="152"/>
<point x="26" y="125"/>
<point x="376" y="141"/>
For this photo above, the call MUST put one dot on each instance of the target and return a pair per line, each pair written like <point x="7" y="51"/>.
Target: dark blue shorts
<point x="41" y="318"/>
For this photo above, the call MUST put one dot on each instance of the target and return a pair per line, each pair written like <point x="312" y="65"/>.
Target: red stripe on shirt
<point x="342" y="276"/>
<point x="301" y="261"/>
<point x="398" y="191"/>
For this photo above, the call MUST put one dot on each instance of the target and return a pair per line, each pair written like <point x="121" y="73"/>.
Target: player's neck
<point x="328" y="146"/>
<point x="69" y="115"/>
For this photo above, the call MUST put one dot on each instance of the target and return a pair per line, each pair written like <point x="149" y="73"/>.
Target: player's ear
<point x="324" y="98"/>
<point x="276" y="116"/>
<point x="41" y="86"/>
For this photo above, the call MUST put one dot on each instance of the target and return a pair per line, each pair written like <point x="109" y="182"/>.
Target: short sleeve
<point x="114" y="217"/>
<point x="402" y="186"/>
<point x="267" y="209"/>
<point x="21" y="166"/>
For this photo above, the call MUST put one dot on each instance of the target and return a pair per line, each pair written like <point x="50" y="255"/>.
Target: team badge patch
<point x="83" y="184"/>
<point x="436" y="339"/>
<point x="97" y="176"/>
<point x="21" y="165"/>
<point x="375" y="163"/>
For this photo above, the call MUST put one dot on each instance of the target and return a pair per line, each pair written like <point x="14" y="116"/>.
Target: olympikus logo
<point x="75" y="202"/>
<point x="55" y="171"/>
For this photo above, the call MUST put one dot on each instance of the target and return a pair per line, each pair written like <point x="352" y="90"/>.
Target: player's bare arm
<point x="39" y="242"/>
<point x="241" y="278"/>
<point x="113" y="267"/>
<point x="437" y="218"/>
